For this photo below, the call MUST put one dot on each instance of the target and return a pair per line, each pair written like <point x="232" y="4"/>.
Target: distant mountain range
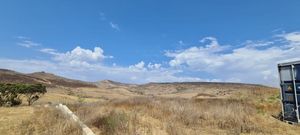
<point x="51" y="80"/>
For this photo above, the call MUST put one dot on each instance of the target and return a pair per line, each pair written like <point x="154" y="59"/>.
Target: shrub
<point x="112" y="123"/>
<point x="10" y="95"/>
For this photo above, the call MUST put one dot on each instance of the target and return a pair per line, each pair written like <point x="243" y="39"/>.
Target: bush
<point x="112" y="123"/>
<point x="9" y="95"/>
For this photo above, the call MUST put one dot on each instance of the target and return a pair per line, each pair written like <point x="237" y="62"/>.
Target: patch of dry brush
<point x="48" y="121"/>
<point x="173" y="116"/>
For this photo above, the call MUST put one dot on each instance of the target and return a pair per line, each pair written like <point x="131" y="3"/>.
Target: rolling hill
<point x="50" y="80"/>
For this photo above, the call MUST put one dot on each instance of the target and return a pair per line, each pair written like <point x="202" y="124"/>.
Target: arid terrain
<point x="108" y="107"/>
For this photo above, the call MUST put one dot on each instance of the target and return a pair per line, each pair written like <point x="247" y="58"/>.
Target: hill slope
<point x="51" y="80"/>
<point x="184" y="88"/>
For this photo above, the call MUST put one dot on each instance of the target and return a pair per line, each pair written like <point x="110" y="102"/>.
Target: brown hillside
<point x="51" y="80"/>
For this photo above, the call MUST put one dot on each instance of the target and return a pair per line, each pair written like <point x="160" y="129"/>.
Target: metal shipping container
<point x="289" y="74"/>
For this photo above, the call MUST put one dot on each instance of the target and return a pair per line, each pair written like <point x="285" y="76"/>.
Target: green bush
<point x="10" y="93"/>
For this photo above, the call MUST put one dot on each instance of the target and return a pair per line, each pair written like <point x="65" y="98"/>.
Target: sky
<point x="141" y="41"/>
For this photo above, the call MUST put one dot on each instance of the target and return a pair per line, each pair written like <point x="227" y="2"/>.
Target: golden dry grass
<point x="186" y="116"/>
<point x="56" y="98"/>
<point x="184" y="110"/>
<point x="35" y="121"/>
<point x="180" y="116"/>
<point x="48" y="121"/>
<point x="11" y="117"/>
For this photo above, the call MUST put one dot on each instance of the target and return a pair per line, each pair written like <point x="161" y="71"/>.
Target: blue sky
<point x="141" y="41"/>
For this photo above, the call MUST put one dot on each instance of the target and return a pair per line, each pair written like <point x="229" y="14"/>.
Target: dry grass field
<point x="248" y="112"/>
<point x="112" y="108"/>
<point x="11" y="118"/>
<point x="47" y="121"/>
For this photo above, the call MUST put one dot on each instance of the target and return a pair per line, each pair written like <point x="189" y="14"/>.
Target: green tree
<point x="33" y="92"/>
<point x="10" y="93"/>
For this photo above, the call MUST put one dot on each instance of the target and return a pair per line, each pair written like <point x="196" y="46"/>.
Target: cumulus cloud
<point x="85" y="64"/>
<point x="140" y="66"/>
<point x="154" y="66"/>
<point x="78" y="56"/>
<point x="193" y="56"/>
<point x="293" y="37"/>
<point x="249" y="63"/>
<point x="213" y="42"/>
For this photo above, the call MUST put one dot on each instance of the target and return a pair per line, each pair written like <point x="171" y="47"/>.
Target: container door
<point x="297" y="73"/>
<point x="288" y="93"/>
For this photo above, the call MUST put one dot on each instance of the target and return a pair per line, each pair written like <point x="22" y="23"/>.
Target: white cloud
<point x="111" y="24"/>
<point x="82" y="64"/>
<point x="114" y="26"/>
<point x="193" y="56"/>
<point x="248" y="63"/>
<point x="95" y="72"/>
<point x="293" y="37"/>
<point x="48" y="50"/>
<point x="213" y="41"/>
<point x="78" y="56"/>
<point x="250" y="43"/>
<point x="27" y="43"/>
<point x="154" y="66"/>
<point x="140" y="66"/>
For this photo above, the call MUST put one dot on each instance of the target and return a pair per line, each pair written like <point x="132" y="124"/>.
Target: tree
<point x="33" y="92"/>
<point x="10" y="93"/>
